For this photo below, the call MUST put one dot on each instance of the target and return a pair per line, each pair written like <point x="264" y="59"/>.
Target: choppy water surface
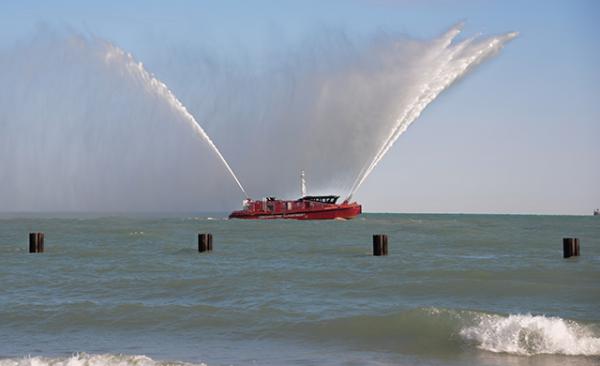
<point x="455" y="290"/>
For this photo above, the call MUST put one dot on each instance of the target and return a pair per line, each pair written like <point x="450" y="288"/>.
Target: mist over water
<point x="332" y="104"/>
<point x="86" y="127"/>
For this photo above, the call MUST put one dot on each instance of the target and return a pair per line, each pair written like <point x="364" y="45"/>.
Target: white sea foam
<point x="527" y="334"/>
<point x="83" y="359"/>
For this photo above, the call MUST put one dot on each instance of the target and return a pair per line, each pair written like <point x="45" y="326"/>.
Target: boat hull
<point x="344" y="211"/>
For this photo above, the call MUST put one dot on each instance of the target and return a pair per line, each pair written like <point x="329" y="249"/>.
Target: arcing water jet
<point x="449" y="62"/>
<point x="333" y="104"/>
<point x="84" y="127"/>
<point x="160" y="88"/>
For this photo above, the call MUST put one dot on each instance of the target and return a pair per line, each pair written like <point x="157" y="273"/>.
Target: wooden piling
<point x="570" y="247"/>
<point x="567" y="247"/>
<point x="205" y="243"/>
<point x="384" y="246"/>
<point x="380" y="245"/>
<point x="36" y="242"/>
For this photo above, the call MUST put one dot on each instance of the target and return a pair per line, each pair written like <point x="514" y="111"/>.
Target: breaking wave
<point x="421" y="331"/>
<point x="426" y="330"/>
<point x="83" y="359"/>
<point x="532" y="334"/>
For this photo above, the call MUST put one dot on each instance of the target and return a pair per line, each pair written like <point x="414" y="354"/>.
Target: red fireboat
<point x="304" y="208"/>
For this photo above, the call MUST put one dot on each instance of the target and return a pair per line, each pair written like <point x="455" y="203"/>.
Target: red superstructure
<point x="305" y="208"/>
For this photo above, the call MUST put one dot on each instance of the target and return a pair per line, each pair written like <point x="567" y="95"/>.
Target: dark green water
<point x="455" y="290"/>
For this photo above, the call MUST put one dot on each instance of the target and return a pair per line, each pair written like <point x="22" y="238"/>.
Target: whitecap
<point x="84" y="359"/>
<point x="526" y="334"/>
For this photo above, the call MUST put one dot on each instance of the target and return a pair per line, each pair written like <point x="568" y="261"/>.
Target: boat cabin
<point x="322" y="199"/>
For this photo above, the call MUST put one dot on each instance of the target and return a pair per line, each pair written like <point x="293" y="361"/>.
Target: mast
<point x="302" y="184"/>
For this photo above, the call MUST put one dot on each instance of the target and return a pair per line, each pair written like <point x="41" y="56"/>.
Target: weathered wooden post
<point x="32" y="243"/>
<point x="567" y="247"/>
<point x="380" y="245"/>
<point x="205" y="242"/>
<point x="36" y="242"/>
<point x="570" y="247"/>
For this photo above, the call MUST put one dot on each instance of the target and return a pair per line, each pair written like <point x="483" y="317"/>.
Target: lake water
<point x="454" y="290"/>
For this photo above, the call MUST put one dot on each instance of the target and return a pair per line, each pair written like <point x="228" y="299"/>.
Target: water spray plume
<point x="161" y="89"/>
<point x="333" y="104"/>
<point x="85" y="127"/>
<point x="112" y="135"/>
<point x="449" y="63"/>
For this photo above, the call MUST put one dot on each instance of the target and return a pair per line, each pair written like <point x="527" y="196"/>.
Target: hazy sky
<point x="521" y="134"/>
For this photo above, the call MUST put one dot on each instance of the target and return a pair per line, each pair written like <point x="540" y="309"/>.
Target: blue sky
<point x="521" y="134"/>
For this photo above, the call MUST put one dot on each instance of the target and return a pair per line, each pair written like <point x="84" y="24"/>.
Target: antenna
<point x="302" y="184"/>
